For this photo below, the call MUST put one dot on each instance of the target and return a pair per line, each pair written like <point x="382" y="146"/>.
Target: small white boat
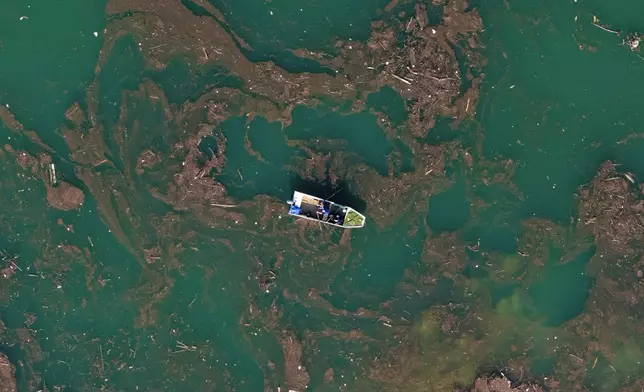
<point x="325" y="211"/>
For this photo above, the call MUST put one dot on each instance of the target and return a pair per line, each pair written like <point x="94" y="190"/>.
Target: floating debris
<point x="401" y="79"/>
<point x="633" y="40"/>
<point x="52" y="174"/>
<point x="183" y="347"/>
<point x="596" y="24"/>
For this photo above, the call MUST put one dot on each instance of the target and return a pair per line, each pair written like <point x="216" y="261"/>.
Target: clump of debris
<point x="297" y="378"/>
<point x="425" y="70"/>
<point x="7" y="375"/>
<point x="194" y="185"/>
<point x="60" y="194"/>
<point x="64" y="196"/>
<point x="633" y="40"/>
<point x="500" y="384"/>
<point x="612" y="208"/>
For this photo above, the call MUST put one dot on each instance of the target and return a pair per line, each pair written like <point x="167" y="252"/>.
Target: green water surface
<point x="102" y="317"/>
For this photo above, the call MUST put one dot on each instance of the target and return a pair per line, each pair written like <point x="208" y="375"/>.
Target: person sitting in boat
<point x="320" y="208"/>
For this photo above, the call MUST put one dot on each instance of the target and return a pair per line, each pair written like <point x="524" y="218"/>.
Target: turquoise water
<point x="148" y="285"/>
<point x="387" y="101"/>
<point x="450" y="209"/>
<point x="277" y="26"/>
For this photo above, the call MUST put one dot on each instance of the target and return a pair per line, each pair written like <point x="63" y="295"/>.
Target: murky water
<point x="143" y="287"/>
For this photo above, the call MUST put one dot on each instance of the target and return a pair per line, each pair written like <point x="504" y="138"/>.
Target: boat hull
<point x="325" y="211"/>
